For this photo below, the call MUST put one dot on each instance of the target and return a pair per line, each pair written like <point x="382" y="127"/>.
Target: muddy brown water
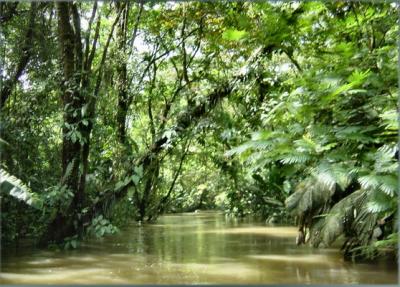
<point x="193" y="248"/>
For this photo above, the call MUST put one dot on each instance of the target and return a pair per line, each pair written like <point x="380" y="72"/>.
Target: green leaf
<point x="119" y="185"/>
<point x="233" y="34"/>
<point x="135" y="179"/>
<point x="74" y="244"/>
<point x="139" y="170"/>
<point x="3" y="142"/>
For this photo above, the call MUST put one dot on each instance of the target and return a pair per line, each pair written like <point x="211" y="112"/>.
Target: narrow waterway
<point x="192" y="248"/>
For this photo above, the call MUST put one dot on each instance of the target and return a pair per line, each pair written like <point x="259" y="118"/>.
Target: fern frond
<point x="377" y="207"/>
<point x="260" y="163"/>
<point x="327" y="179"/>
<point x="237" y="150"/>
<point x="255" y="157"/>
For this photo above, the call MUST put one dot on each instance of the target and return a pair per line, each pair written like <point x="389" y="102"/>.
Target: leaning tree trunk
<point x="183" y="123"/>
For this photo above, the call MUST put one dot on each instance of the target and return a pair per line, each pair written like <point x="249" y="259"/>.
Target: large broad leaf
<point x="16" y="188"/>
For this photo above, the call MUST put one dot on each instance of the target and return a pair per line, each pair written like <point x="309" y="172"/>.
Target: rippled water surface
<point x="192" y="248"/>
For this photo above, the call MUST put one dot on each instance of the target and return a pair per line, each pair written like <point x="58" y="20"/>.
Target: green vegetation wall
<point x="118" y="111"/>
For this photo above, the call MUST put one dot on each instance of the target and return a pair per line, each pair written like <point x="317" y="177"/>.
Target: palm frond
<point x="386" y="183"/>
<point x="17" y="189"/>
<point x="341" y="214"/>
<point x="369" y="181"/>
<point x="355" y="133"/>
<point x="381" y="202"/>
<point x="391" y="241"/>
<point x="385" y="161"/>
<point x="390" y="120"/>
<point x="309" y="195"/>
<point x="294" y="158"/>
<point x="388" y="150"/>
<point x="253" y="144"/>
<point x="334" y="173"/>
<point x="389" y="184"/>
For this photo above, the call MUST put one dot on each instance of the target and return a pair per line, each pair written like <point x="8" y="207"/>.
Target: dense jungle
<point x="141" y="123"/>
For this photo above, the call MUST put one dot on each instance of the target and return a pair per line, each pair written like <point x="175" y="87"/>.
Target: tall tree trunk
<point x="66" y="221"/>
<point x="91" y="101"/>
<point x="151" y="181"/>
<point x="121" y="70"/>
<point x="79" y="103"/>
<point x="71" y="99"/>
<point x="124" y="99"/>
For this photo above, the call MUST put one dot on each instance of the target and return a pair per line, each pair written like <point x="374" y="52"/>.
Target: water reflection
<point x="192" y="248"/>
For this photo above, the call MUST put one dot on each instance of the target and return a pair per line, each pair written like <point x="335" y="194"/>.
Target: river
<point x="192" y="248"/>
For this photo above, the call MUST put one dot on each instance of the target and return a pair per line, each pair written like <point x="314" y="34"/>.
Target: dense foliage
<point x="118" y="111"/>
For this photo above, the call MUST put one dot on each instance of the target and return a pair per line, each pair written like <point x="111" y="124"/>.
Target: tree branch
<point x="26" y="50"/>
<point x="87" y="50"/>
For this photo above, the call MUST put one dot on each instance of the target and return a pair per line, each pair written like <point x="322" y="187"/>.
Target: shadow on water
<point x="192" y="248"/>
